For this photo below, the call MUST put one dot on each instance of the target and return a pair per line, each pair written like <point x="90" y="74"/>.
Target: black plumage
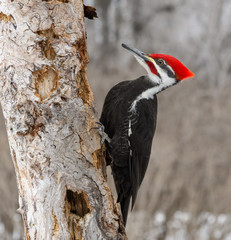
<point x="131" y="132"/>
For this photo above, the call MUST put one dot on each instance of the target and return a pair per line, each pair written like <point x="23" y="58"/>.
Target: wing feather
<point x="131" y="137"/>
<point x="141" y="138"/>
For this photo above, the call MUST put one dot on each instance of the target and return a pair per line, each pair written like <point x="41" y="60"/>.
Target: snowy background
<point x="186" y="191"/>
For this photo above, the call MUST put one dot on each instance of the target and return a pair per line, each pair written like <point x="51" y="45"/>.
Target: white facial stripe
<point x="170" y="68"/>
<point x="153" y="77"/>
<point x="161" y="72"/>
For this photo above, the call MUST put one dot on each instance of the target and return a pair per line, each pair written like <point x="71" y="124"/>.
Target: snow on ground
<point x="181" y="226"/>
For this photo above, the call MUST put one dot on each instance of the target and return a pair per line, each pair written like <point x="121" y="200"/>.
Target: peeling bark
<point x="48" y="106"/>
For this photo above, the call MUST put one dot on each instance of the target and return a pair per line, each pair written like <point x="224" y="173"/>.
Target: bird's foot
<point x="100" y="129"/>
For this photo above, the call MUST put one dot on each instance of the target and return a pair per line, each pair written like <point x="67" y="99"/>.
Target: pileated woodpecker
<point x="129" y="120"/>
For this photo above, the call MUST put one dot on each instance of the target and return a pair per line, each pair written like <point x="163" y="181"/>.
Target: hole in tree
<point x="78" y="203"/>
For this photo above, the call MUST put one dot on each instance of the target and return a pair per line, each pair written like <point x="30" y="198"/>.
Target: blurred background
<point x="186" y="193"/>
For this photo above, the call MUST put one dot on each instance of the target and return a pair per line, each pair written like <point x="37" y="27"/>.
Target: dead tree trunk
<point x="47" y="105"/>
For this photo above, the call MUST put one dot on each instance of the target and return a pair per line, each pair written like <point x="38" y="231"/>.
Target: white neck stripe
<point x="149" y="93"/>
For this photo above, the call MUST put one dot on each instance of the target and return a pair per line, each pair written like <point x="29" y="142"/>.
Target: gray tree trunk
<point x="47" y="105"/>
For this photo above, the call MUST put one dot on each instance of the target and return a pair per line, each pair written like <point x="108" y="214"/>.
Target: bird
<point x="128" y="121"/>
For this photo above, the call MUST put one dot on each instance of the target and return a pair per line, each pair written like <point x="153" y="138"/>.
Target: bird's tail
<point x="124" y="205"/>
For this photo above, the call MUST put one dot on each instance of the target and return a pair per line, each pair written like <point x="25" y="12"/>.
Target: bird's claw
<point x="104" y="136"/>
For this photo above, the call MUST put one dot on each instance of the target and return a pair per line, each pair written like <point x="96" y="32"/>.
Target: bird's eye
<point x="160" y="62"/>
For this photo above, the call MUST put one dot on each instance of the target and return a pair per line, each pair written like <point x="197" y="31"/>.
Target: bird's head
<point x="161" y="68"/>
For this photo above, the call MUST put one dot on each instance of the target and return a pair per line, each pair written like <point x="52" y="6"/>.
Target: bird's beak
<point x="137" y="52"/>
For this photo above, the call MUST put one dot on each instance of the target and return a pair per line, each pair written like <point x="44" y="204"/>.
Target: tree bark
<point x="48" y="108"/>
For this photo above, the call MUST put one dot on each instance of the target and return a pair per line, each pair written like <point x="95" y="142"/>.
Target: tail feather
<point x="124" y="205"/>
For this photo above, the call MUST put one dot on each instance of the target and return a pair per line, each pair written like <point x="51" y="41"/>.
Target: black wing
<point x="143" y="129"/>
<point x="130" y="154"/>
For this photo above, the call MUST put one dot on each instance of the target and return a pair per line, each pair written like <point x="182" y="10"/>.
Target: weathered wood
<point x="48" y="107"/>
